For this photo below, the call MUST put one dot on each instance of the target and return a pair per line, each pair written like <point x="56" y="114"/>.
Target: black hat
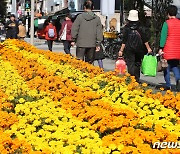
<point x="69" y="16"/>
<point x="12" y="15"/>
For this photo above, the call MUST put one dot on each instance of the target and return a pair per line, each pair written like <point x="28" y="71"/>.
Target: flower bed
<point x="53" y="103"/>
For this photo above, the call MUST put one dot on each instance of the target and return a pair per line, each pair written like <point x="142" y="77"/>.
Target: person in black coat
<point x="99" y="56"/>
<point x="12" y="28"/>
<point x="134" y="49"/>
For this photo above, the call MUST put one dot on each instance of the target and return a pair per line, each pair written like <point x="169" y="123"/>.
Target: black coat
<point x="11" y="29"/>
<point x="99" y="55"/>
<point x="142" y="31"/>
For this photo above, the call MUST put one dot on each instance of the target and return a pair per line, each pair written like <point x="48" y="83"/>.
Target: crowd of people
<point x="86" y="32"/>
<point x="14" y="29"/>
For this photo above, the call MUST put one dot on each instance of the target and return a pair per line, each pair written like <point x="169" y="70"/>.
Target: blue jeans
<point x="172" y="65"/>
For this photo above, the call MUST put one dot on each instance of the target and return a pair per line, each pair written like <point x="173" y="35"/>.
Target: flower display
<point x="54" y="103"/>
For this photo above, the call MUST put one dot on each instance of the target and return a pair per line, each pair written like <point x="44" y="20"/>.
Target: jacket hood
<point x="88" y="16"/>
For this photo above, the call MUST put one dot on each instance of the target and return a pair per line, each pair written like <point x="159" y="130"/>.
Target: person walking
<point x="22" y="31"/>
<point x="134" y="44"/>
<point x="65" y="34"/>
<point x="99" y="56"/>
<point x="170" y="46"/>
<point x="87" y="33"/>
<point x="50" y="34"/>
<point x="12" y="28"/>
<point x="1" y="28"/>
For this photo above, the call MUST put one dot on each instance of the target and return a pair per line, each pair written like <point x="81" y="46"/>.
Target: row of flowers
<point x="169" y="100"/>
<point x="40" y="122"/>
<point x="145" y="107"/>
<point x="105" y="114"/>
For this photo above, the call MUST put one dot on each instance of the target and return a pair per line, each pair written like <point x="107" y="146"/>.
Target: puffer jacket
<point x="172" y="46"/>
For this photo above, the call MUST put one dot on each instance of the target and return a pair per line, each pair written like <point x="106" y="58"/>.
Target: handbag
<point x="149" y="65"/>
<point x="162" y="64"/>
<point x="63" y="35"/>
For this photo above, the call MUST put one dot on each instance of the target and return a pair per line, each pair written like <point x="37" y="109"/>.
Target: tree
<point x="159" y="16"/>
<point x="3" y="8"/>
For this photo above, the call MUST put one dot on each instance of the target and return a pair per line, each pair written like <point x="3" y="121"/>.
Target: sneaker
<point x="178" y="85"/>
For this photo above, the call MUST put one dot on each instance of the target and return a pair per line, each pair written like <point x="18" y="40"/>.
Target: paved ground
<point x="109" y="64"/>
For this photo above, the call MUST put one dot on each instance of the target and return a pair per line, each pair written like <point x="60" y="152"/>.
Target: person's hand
<point x="97" y="48"/>
<point x="160" y="52"/>
<point x="120" y="53"/>
<point x="72" y="44"/>
<point x="149" y="50"/>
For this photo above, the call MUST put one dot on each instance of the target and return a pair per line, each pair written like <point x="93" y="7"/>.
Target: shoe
<point x="178" y="85"/>
<point x="167" y="88"/>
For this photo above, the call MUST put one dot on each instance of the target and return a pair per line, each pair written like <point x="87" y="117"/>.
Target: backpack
<point x="51" y="32"/>
<point x="134" y="39"/>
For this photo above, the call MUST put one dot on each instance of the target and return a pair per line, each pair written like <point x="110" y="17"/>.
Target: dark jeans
<point x="67" y="46"/>
<point x="50" y="43"/>
<point x="86" y="53"/>
<point x="172" y="65"/>
<point x="133" y="61"/>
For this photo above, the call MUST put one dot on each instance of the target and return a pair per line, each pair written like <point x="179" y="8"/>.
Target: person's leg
<point x="130" y="62"/>
<point x="49" y="44"/>
<point x="66" y="47"/>
<point x="69" y="46"/>
<point x="137" y="67"/>
<point x="167" y="76"/>
<point x="80" y="52"/>
<point x="100" y="63"/>
<point x="175" y="69"/>
<point x="90" y="55"/>
<point x="137" y="70"/>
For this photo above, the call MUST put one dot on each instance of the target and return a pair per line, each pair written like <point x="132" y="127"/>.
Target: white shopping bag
<point x="63" y="35"/>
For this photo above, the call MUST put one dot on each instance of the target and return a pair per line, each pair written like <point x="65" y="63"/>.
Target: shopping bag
<point x="149" y="65"/>
<point x="120" y="65"/>
<point x="162" y="64"/>
<point x="63" y="35"/>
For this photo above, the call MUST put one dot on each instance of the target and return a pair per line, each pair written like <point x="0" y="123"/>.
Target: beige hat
<point x="133" y="15"/>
